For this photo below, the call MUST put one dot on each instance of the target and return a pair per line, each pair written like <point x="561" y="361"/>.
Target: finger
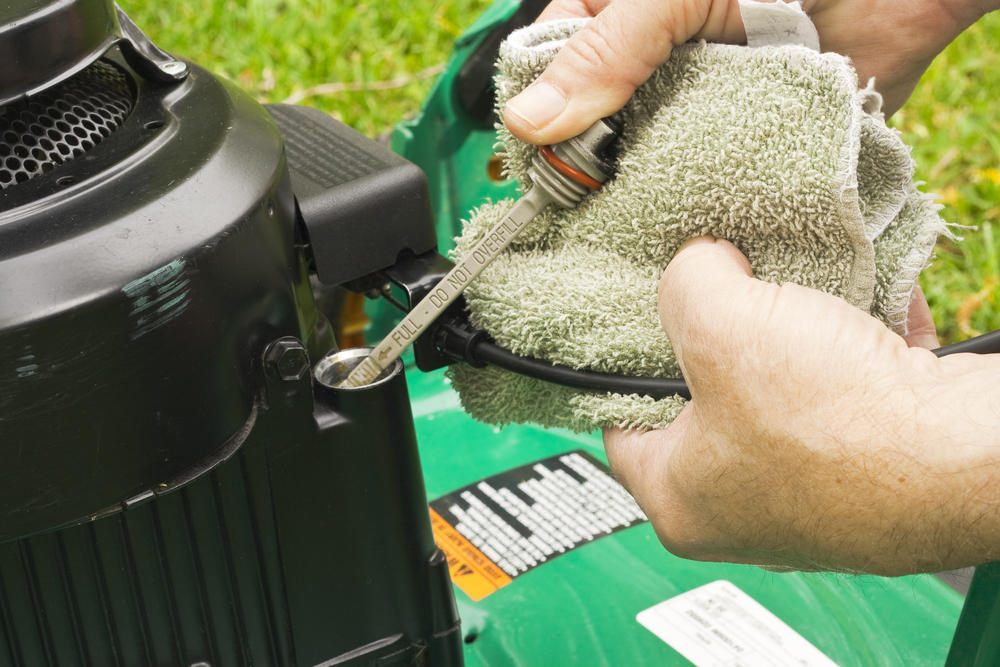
<point x="600" y="67"/>
<point x="638" y="459"/>
<point x="722" y="323"/>
<point x="702" y="281"/>
<point x="920" y="328"/>
<point x="568" y="9"/>
<point x="658" y="477"/>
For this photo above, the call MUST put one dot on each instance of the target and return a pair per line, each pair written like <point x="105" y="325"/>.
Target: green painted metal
<point x="580" y="608"/>
<point x="977" y="639"/>
<point x="453" y="150"/>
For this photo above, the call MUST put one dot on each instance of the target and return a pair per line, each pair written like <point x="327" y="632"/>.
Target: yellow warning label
<point x="470" y="569"/>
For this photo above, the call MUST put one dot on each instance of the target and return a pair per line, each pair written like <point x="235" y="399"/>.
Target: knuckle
<point x="620" y="447"/>
<point x="683" y="540"/>
<point x="600" y="52"/>
<point x="681" y="510"/>
<point x="593" y="51"/>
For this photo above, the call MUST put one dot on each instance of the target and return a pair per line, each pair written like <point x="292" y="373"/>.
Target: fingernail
<point x="696" y="241"/>
<point x="539" y="104"/>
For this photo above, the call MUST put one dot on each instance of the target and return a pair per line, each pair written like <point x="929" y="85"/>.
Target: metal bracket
<point x="417" y="275"/>
<point x="144" y="56"/>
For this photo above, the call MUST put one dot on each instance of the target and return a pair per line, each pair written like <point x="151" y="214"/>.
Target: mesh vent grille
<point x="64" y="122"/>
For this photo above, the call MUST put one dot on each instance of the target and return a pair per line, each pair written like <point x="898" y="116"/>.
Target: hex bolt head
<point x="286" y="359"/>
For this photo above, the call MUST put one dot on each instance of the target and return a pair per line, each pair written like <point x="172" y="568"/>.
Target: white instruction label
<point x="718" y="625"/>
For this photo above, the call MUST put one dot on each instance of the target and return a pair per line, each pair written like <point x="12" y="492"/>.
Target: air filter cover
<point x="44" y="42"/>
<point x="61" y="123"/>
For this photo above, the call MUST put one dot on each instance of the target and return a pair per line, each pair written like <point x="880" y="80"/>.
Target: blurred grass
<point x="953" y="123"/>
<point x="274" y="48"/>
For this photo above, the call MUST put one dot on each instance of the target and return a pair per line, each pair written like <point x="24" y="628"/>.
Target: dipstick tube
<point x="451" y="286"/>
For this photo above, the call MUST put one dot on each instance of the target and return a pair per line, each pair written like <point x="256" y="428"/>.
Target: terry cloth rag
<point x="773" y="148"/>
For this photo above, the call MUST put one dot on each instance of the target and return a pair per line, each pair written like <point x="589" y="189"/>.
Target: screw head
<point x="174" y="68"/>
<point x="286" y="359"/>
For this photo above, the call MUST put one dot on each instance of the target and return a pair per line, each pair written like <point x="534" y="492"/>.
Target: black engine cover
<point x="139" y="284"/>
<point x="165" y="499"/>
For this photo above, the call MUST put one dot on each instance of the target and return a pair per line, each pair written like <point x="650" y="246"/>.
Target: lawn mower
<point x="186" y="483"/>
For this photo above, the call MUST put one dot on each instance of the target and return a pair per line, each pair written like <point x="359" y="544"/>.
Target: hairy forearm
<point x="892" y="41"/>
<point x="962" y="450"/>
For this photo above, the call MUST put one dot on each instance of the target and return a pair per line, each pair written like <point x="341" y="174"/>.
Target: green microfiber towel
<point x="772" y="148"/>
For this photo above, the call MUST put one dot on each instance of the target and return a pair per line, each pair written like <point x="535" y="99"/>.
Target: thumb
<point x="921" y="331"/>
<point x="701" y="295"/>
<point x="597" y="70"/>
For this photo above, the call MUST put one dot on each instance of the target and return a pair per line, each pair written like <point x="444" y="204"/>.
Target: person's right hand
<point x="600" y="67"/>
<point x="816" y="438"/>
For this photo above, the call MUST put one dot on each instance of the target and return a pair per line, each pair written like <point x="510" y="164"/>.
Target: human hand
<point x="815" y="438"/>
<point x="600" y="67"/>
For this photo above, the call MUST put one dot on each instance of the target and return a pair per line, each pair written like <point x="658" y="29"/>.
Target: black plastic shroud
<point x="362" y="204"/>
<point x="163" y="499"/>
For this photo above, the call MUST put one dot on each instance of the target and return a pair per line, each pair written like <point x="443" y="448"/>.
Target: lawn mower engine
<point x="178" y="487"/>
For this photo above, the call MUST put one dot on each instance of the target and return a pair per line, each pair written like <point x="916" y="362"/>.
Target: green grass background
<point x="953" y="123"/>
<point x="274" y="48"/>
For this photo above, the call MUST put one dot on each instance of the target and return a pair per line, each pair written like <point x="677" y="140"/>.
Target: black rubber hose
<point x="570" y="377"/>
<point x="988" y="343"/>
<point x="491" y="353"/>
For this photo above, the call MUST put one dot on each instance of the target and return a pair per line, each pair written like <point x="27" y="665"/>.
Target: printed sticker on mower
<point x="496" y="530"/>
<point x="718" y="625"/>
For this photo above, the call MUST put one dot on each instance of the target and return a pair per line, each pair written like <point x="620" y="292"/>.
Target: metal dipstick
<point x="562" y="174"/>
